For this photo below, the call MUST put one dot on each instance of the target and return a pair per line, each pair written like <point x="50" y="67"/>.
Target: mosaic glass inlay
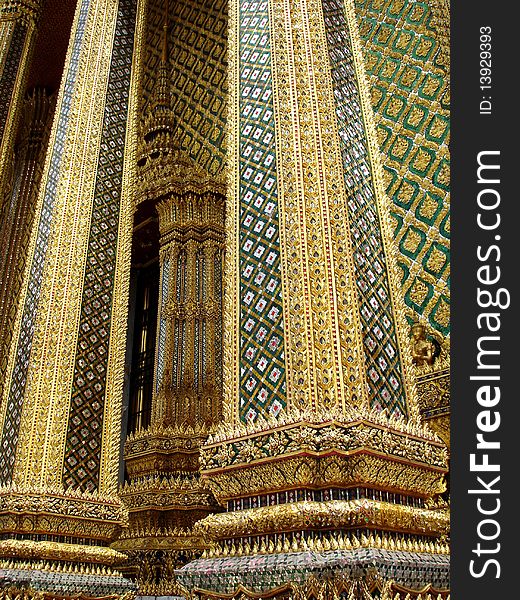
<point x="411" y="100"/>
<point x="197" y="56"/>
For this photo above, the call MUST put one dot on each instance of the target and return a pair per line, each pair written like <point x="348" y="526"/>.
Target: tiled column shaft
<point x="60" y="414"/>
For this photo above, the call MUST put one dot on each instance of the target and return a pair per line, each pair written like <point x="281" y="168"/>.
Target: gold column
<point x="59" y="469"/>
<point x="336" y="459"/>
<point x="18" y="28"/>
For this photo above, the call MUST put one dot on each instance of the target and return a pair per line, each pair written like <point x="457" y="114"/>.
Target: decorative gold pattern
<point x="406" y="54"/>
<point x="317" y="265"/>
<point x="332" y="541"/>
<point x="79" y="553"/>
<point x="29" y="511"/>
<point x="15" y="16"/>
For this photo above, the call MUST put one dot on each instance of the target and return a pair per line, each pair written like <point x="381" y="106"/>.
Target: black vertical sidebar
<point x="485" y="330"/>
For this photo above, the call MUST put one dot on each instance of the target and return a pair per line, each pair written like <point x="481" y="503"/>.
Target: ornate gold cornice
<point x="333" y="541"/>
<point x="172" y="171"/>
<point x="320" y="434"/>
<point x="181" y="492"/>
<point x="164" y="449"/>
<point x="142" y="538"/>
<point x="362" y="469"/>
<point x="305" y="451"/>
<point x="228" y="431"/>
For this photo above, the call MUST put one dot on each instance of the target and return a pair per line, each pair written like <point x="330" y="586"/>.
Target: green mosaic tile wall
<point x="410" y="97"/>
<point x="197" y="51"/>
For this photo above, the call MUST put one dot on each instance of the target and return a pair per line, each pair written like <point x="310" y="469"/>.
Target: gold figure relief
<point x="431" y="356"/>
<point x="424" y="351"/>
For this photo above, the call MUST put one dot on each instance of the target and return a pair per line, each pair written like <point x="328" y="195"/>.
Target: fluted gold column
<point x="18" y="28"/>
<point x="191" y="225"/>
<point x="321" y="449"/>
<point x="19" y="215"/>
<point x="61" y="409"/>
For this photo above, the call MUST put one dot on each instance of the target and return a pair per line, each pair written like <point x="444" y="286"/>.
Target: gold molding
<point x="43" y="551"/>
<point x="329" y="515"/>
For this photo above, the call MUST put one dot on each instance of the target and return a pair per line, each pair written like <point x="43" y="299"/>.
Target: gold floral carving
<point x="175" y="173"/>
<point x="300" y="450"/>
<point x="145" y="538"/>
<point x="361" y="469"/>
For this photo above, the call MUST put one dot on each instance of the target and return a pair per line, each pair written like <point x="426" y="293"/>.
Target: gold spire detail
<point x="158" y="125"/>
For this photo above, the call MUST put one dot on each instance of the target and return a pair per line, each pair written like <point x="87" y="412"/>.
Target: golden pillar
<point x="18" y="27"/>
<point x="60" y="414"/>
<point x="322" y="464"/>
<point x="164" y="494"/>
